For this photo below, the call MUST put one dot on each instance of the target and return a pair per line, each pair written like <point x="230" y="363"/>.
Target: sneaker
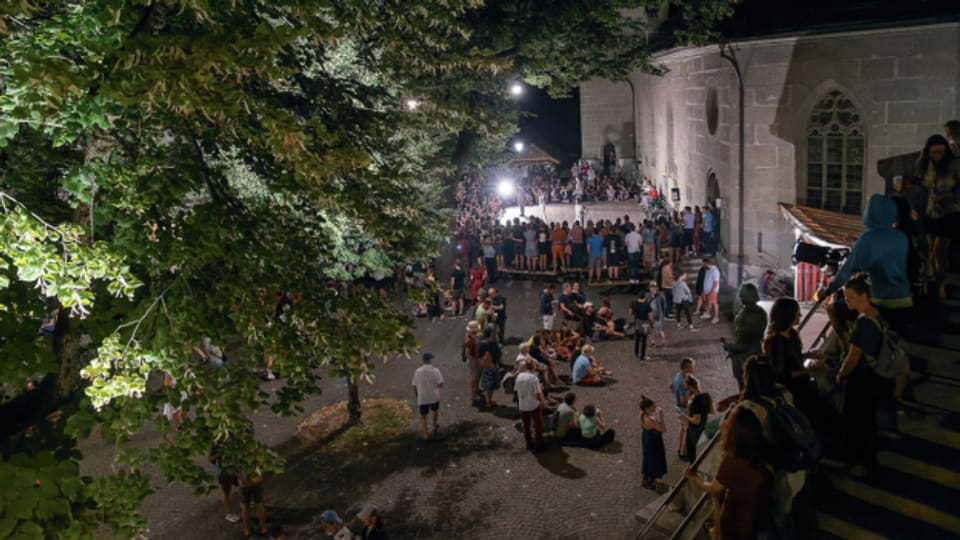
<point x="694" y="329"/>
<point x="271" y="376"/>
<point x="232" y="518"/>
<point x="679" y="325"/>
<point x="714" y="320"/>
<point x="705" y="316"/>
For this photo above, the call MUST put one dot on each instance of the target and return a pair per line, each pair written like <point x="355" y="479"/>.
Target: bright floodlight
<point x="412" y="104"/>
<point x="505" y="188"/>
<point x="518" y="146"/>
<point x="516" y="89"/>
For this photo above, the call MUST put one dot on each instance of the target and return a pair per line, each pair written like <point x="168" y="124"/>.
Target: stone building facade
<point x="820" y="112"/>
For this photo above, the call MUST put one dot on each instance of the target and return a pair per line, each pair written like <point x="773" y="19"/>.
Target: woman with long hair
<point x="858" y="417"/>
<point x="783" y="347"/>
<point x="741" y="486"/>
<point x="939" y="172"/>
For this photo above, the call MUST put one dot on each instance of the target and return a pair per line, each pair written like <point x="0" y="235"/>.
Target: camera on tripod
<point x="818" y="255"/>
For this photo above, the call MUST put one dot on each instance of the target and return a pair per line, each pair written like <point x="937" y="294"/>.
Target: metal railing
<point x="688" y="519"/>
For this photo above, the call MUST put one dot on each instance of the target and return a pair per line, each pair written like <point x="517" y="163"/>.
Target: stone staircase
<point x="915" y="491"/>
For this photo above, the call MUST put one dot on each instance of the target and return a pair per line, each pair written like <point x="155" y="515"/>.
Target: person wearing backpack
<point x="787" y="452"/>
<point x="860" y="403"/>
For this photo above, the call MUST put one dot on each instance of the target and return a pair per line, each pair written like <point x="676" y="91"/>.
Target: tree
<point x="167" y="167"/>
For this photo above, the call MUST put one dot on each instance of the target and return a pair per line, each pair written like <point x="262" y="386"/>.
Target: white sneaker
<point x="271" y="376"/>
<point x="715" y="320"/>
<point x="232" y="518"/>
<point x="705" y="316"/>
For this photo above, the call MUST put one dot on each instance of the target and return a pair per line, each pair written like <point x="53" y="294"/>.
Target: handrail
<point x="809" y="315"/>
<point x="689" y="517"/>
<point x="679" y="485"/>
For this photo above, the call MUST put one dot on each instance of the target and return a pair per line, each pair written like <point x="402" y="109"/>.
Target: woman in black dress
<point x="654" y="453"/>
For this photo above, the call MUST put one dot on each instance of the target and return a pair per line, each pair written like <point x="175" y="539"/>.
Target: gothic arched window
<point x="835" y="151"/>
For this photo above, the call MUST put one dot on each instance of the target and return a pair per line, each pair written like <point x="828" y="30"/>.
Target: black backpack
<point x="797" y="446"/>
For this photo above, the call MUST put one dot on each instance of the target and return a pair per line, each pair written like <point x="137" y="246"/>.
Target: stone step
<point x="855" y="510"/>
<point x="934" y="361"/>
<point x="889" y="493"/>
<point x="934" y="392"/>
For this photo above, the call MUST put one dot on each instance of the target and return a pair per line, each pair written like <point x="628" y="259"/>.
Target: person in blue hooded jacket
<point x="881" y="252"/>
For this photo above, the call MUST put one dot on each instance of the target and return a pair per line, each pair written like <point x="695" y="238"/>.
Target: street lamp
<point x="518" y="146"/>
<point x="516" y="89"/>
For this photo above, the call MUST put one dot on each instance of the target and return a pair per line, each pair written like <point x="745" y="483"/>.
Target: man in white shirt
<point x="427" y="382"/>
<point x="530" y="402"/>
<point x="634" y="241"/>
<point x="711" y="289"/>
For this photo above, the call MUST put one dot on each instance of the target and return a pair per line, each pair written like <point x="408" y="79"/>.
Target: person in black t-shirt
<point x="642" y="313"/>
<point x="698" y="410"/>
<point x="457" y="279"/>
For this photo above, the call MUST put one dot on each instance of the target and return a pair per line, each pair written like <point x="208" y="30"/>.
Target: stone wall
<point x="605" y="118"/>
<point x="904" y="83"/>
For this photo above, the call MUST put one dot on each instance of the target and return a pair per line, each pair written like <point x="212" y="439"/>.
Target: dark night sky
<point x="555" y="122"/>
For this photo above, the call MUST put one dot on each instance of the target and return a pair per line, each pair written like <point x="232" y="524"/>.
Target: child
<point x="594" y="429"/>
<point x="654" y="454"/>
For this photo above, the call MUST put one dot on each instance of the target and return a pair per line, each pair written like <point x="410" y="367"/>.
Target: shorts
<point x="657" y="326"/>
<point x="596" y="261"/>
<point x="252" y="493"/>
<point x="226" y="480"/>
<point x="435" y="406"/>
<point x="557" y="251"/>
<point x="710" y="297"/>
<point x="543" y="248"/>
<point x="457" y="295"/>
<point x="548" y="322"/>
<point x="613" y="258"/>
<point x="687" y="237"/>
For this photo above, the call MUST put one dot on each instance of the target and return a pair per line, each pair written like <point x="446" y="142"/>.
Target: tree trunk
<point x="66" y="351"/>
<point x="353" y="401"/>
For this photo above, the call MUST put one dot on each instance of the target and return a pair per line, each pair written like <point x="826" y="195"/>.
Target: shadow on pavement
<point x="556" y="460"/>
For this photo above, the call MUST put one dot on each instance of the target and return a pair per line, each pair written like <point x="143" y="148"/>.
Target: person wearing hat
<point x="334" y="527"/>
<point x="372" y="523"/>
<point x="471" y="354"/>
<point x="427" y="382"/>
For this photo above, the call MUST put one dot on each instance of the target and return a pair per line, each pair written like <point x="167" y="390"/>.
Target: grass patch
<point x="382" y="420"/>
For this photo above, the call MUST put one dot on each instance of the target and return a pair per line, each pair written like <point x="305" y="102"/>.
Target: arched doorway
<point x="714" y="200"/>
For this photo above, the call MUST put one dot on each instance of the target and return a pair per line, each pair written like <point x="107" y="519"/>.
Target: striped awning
<point x="823" y="227"/>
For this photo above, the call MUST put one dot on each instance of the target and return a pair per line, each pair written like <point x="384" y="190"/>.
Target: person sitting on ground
<point x="334" y="527"/>
<point x="587" y="371"/>
<point x="593" y="428"/>
<point x="372" y="529"/>
<point x="742" y="486"/>
<point x="567" y="419"/>
<point x="546" y="358"/>
<point x="605" y="325"/>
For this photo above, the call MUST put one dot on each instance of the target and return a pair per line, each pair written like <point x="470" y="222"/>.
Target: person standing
<point x="658" y="312"/>
<point x="699" y="409"/>
<point x="711" y="290"/>
<point x="547" y="312"/>
<point x="682" y="399"/>
<point x="649" y="236"/>
<point x="654" y="453"/>
<point x="558" y="244"/>
<point x="471" y="355"/>
<point x="634" y="242"/>
<point x="688" y="225"/>
<point x="427" y="382"/>
<point x="251" y="491"/>
<point x="706" y="240"/>
<point x="595" y="253"/>
<point x="500" y="308"/>
<point x="748" y="329"/>
<point x="577" y="249"/>
<point x="642" y="314"/>
<point x="457" y="279"/>
<point x="665" y="281"/>
<point x="683" y="300"/>
<point x="530" y="402"/>
<point x="226" y="480"/>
